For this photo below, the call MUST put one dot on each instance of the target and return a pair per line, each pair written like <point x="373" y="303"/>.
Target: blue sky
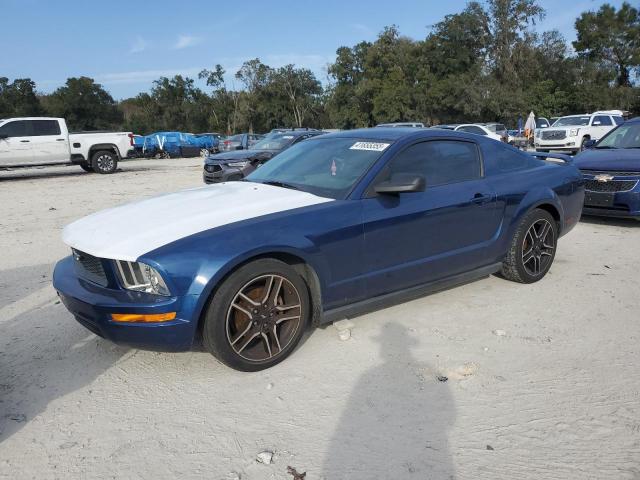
<point x="127" y="45"/>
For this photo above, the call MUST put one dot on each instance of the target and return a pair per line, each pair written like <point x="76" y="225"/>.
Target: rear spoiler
<point x="553" y="157"/>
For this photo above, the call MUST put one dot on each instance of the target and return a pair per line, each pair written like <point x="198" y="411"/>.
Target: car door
<point x="48" y="143"/>
<point x="15" y="147"/>
<point x="418" y="237"/>
<point x="600" y="125"/>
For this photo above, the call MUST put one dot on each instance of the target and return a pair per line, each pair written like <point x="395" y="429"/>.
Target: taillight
<point x="131" y="139"/>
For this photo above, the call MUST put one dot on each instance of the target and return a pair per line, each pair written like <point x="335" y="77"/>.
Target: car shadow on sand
<point x="397" y="418"/>
<point x="61" y="171"/>
<point x="44" y="353"/>
<point x="611" y="221"/>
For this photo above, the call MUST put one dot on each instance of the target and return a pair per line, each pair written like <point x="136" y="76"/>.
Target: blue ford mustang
<point x="334" y="226"/>
<point x="611" y="171"/>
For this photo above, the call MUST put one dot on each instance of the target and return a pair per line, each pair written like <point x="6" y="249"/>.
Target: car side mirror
<point x="590" y="143"/>
<point x="401" y="183"/>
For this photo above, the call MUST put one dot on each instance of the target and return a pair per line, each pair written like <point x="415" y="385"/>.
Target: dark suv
<point x="236" y="165"/>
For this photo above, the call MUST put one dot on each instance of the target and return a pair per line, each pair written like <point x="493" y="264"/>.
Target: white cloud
<point x="139" y="45"/>
<point x="186" y="41"/>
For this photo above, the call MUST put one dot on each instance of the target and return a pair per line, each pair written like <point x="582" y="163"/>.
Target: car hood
<point x="622" y="160"/>
<point x="239" y="155"/>
<point x="131" y="230"/>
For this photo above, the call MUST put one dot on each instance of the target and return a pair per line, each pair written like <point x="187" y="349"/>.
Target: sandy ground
<point x="543" y="380"/>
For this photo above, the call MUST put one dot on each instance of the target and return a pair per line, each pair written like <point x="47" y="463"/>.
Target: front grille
<point x="610" y="186"/>
<point x="90" y="267"/>
<point x="614" y="174"/>
<point x="213" y="168"/>
<point x="553" y="135"/>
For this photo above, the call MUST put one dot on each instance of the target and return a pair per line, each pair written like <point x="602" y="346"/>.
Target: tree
<point x="301" y="88"/>
<point x="19" y="99"/>
<point x="612" y="37"/>
<point x="85" y="105"/>
<point x="254" y="75"/>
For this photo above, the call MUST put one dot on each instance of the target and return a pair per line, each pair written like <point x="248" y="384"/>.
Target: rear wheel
<point x="257" y="316"/>
<point x="533" y="248"/>
<point x="104" y="162"/>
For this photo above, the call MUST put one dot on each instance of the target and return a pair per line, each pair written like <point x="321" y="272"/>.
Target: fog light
<point x="142" y="318"/>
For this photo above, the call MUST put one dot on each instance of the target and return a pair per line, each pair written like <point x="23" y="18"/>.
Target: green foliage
<point x="18" y="99"/>
<point x="84" y="104"/>
<point x="611" y="37"/>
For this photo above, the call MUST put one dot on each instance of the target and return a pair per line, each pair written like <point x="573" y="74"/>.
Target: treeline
<point x="485" y="63"/>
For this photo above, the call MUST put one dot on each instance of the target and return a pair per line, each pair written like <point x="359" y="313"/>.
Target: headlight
<point x="573" y="132"/>
<point x="141" y="277"/>
<point x="238" y="164"/>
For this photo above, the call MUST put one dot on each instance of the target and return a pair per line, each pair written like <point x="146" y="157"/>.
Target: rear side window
<point x="604" y="120"/>
<point x="501" y="158"/>
<point x="439" y="161"/>
<point x="45" y="127"/>
<point x="17" y="128"/>
<point x="618" y="120"/>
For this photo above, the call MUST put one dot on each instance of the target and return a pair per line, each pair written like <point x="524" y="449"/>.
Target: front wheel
<point x="104" y="162"/>
<point x="257" y="316"/>
<point x="532" y="249"/>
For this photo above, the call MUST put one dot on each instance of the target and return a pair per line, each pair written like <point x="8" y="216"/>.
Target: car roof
<point x="400" y="133"/>
<point x="633" y="120"/>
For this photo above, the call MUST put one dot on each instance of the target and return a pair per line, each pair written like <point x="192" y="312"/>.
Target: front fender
<point x="533" y="199"/>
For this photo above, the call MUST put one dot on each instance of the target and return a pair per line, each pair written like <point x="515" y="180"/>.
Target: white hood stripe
<point x="131" y="230"/>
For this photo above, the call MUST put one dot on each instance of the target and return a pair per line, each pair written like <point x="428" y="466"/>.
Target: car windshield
<point x="625" y="136"/>
<point x="274" y="142"/>
<point x="328" y="167"/>
<point x="572" y="121"/>
<point x="496" y="127"/>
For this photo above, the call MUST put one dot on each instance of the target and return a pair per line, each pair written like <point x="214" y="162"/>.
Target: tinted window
<point x="439" y="161"/>
<point x="603" y="119"/>
<point x="618" y="120"/>
<point x="473" y="129"/>
<point x="15" y="129"/>
<point x="501" y="158"/>
<point x="45" y="127"/>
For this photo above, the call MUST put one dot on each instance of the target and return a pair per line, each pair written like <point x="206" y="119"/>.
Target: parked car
<point x="479" y="130"/>
<point x="542" y="122"/>
<point x="334" y="226"/>
<point x="449" y="126"/>
<point x="569" y="134"/>
<point x="209" y="142"/>
<point x="37" y="141"/>
<point x="242" y="141"/>
<point x="401" y="124"/>
<point x="235" y="165"/>
<point x="611" y="170"/>
<point x="176" y="144"/>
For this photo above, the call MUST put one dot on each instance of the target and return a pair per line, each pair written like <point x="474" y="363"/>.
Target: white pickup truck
<point x="570" y="134"/>
<point x="42" y="141"/>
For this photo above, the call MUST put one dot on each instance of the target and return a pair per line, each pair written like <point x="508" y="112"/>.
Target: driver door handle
<point x="481" y="198"/>
<point x="24" y="141"/>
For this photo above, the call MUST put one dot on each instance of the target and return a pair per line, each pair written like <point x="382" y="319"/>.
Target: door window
<point x="45" y="127"/>
<point x="603" y="119"/>
<point x="17" y="128"/>
<point x="439" y="161"/>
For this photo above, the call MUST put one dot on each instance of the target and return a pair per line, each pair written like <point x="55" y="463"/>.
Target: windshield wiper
<point x="276" y="183"/>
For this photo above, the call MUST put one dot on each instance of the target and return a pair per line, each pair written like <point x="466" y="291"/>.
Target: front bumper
<point x="624" y="204"/>
<point x="568" y="145"/>
<point x="92" y="306"/>
<point x="221" y="175"/>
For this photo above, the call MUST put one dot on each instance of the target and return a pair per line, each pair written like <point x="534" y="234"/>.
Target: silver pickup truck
<point x="42" y="141"/>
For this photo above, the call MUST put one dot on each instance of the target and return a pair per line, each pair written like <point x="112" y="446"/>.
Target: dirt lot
<point x="543" y="380"/>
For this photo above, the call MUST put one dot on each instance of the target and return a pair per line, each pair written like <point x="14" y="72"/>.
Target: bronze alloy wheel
<point x="263" y="318"/>
<point x="538" y="247"/>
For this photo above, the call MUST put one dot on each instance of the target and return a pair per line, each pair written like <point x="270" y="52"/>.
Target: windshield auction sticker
<point x="371" y="146"/>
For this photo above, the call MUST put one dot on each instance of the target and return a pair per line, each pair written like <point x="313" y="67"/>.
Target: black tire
<point x="104" y="162"/>
<point x="582" y="148"/>
<point x="526" y="242"/>
<point x="86" y="167"/>
<point x="249" y="337"/>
